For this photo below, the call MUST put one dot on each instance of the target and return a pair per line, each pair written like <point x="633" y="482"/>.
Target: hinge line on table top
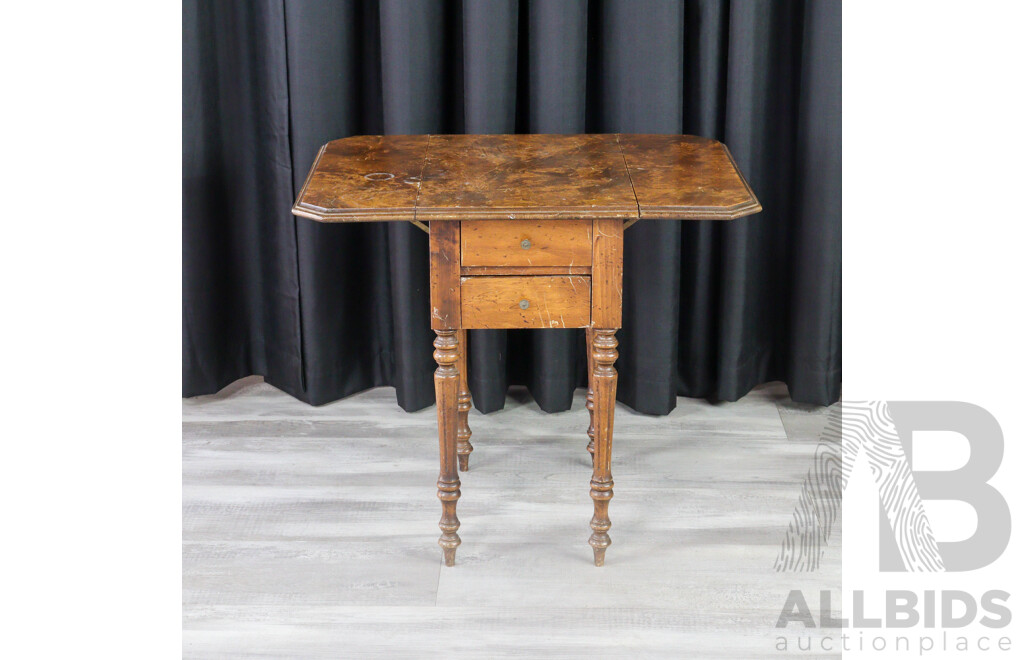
<point x="629" y="176"/>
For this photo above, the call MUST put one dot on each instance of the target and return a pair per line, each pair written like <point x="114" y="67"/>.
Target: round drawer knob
<point x="525" y="245"/>
<point x="524" y="304"/>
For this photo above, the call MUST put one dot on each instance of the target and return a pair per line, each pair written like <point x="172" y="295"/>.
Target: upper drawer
<point x="526" y="243"/>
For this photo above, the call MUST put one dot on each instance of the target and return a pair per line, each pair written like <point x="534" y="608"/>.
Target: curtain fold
<point x="711" y="309"/>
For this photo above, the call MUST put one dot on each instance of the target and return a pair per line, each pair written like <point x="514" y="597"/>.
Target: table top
<point x="529" y="177"/>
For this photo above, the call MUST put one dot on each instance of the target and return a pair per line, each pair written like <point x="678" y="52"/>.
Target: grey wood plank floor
<point x="311" y="531"/>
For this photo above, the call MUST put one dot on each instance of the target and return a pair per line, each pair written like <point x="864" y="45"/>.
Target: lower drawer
<point x="535" y="301"/>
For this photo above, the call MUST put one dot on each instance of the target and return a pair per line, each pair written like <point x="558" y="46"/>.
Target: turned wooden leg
<point x="465" y="403"/>
<point x="605" y="379"/>
<point x="446" y="388"/>
<point x="590" y="390"/>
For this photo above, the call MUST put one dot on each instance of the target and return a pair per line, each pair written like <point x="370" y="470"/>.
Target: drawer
<point x="525" y="243"/>
<point x="538" y="301"/>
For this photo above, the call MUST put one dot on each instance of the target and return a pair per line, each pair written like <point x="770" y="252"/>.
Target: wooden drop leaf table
<point x="525" y="232"/>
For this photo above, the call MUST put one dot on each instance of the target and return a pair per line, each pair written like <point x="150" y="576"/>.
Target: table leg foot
<point x="449" y="555"/>
<point x="448" y="493"/>
<point x="601" y="493"/>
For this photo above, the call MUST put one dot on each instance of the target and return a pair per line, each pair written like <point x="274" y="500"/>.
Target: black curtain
<point x="711" y="309"/>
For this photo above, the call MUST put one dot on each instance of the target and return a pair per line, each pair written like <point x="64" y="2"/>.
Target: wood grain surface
<point x="607" y="274"/>
<point x="686" y="177"/>
<point x="524" y="177"/>
<point x="555" y="301"/>
<point x="445" y="307"/>
<point x="366" y="177"/>
<point x="526" y="243"/>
